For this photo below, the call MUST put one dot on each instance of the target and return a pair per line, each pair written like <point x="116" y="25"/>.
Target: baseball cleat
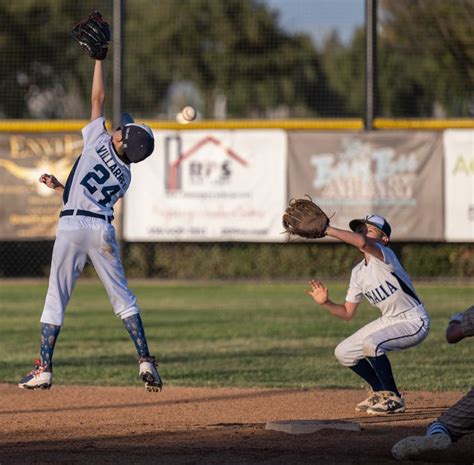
<point x="412" y="446"/>
<point x="41" y="377"/>
<point x="387" y="404"/>
<point x="149" y="374"/>
<point x="372" y="400"/>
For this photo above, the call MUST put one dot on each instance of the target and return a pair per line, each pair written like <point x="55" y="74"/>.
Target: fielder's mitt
<point x="93" y="35"/>
<point x="304" y="218"/>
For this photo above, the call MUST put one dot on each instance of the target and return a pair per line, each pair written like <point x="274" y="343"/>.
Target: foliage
<point x="433" y="41"/>
<point x="234" y="49"/>
<point x="234" y="54"/>
<point x="425" y="60"/>
<point x="44" y="73"/>
<point x="294" y="260"/>
<point x="289" y="261"/>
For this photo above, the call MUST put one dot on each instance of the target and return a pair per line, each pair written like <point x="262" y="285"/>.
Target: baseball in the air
<point x="189" y="113"/>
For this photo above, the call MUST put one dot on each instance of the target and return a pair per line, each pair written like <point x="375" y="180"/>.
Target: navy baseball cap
<point x="375" y="220"/>
<point x="138" y="139"/>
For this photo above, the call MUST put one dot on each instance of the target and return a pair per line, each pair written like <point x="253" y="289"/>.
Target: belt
<point x="86" y="213"/>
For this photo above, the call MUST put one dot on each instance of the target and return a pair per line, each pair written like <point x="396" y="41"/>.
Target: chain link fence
<point x="246" y="59"/>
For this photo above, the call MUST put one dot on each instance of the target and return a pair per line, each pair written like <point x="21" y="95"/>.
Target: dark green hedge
<point x="246" y="261"/>
<point x="291" y="260"/>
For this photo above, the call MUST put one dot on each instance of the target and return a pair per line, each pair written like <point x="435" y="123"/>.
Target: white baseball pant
<point x="383" y="335"/>
<point x="79" y="239"/>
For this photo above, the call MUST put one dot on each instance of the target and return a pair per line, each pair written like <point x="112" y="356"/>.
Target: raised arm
<point x="98" y="91"/>
<point x="364" y="244"/>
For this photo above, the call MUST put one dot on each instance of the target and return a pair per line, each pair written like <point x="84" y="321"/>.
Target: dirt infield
<point x="100" y="425"/>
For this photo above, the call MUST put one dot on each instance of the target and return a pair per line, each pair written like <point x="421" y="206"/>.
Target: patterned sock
<point x="49" y="336"/>
<point x="364" y="370"/>
<point x="383" y="369"/>
<point x="133" y="324"/>
<point x="436" y="428"/>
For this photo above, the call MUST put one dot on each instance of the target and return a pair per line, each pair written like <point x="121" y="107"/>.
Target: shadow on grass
<point x="121" y="360"/>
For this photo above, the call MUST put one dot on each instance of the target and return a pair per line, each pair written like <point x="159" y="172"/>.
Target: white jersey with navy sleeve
<point x="385" y="284"/>
<point x="85" y="233"/>
<point x="98" y="178"/>
<point x="403" y="323"/>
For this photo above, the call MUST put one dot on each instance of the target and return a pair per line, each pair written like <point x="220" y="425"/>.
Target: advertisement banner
<point x="209" y="186"/>
<point x="29" y="210"/>
<point x="459" y="184"/>
<point x="395" y="174"/>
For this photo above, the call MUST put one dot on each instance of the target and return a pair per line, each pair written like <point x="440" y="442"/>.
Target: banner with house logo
<point x="459" y="184"/>
<point x="209" y="186"/>
<point x="395" y="174"/>
<point x="30" y="210"/>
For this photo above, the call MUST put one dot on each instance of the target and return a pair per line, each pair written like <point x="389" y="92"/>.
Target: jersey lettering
<point x="109" y="161"/>
<point x="384" y="291"/>
<point x="391" y="287"/>
<point x="379" y="294"/>
<point x="99" y="180"/>
<point x="106" y="191"/>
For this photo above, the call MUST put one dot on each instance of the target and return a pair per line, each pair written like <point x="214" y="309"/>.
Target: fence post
<point x="118" y="62"/>
<point x="370" y="63"/>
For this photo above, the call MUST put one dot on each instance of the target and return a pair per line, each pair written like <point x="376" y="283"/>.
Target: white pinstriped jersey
<point x="385" y="284"/>
<point x="99" y="178"/>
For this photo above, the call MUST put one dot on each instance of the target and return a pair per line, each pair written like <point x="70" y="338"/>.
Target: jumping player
<point x="100" y="176"/>
<point x="404" y="321"/>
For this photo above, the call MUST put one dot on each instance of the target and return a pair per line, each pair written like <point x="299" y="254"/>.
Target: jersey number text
<point x="99" y="177"/>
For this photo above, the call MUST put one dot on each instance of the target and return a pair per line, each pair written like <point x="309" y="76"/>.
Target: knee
<point x="369" y="348"/>
<point x="342" y="355"/>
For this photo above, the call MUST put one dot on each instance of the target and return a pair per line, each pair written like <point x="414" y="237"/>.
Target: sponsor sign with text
<point x="459" y="184"/>
<point x="29" y="210"/>
<point x="209" y="186"/>
<point x="396" y="174"/>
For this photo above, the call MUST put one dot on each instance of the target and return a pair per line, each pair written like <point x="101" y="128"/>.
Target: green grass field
<point x="223" y="334"/>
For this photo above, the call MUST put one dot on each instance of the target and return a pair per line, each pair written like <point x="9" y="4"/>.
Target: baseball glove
<point x="304" y="218"/>
<point x="93" y="35"/>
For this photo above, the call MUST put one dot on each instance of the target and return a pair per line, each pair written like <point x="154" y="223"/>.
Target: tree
<point x="229" y="52"/>
<point x="430" y="44"/>
<point x="345" y="70"/>
<point x="44" y="74"/>
<point x="425" y="60"/>
<point x="233" y="48"/>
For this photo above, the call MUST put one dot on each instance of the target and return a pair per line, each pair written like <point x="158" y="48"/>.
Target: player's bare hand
<point x="50" y="181"/>
<point x="318" y="292"/>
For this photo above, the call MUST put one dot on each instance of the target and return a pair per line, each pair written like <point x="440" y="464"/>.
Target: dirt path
<point x="99" y="425"/>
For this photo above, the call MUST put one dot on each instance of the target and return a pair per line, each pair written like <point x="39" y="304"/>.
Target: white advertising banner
<point x="459" y="184"/>
<point x="209" y="186"/>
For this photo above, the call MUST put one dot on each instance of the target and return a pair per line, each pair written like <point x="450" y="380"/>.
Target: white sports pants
<point x="383" y="335"/>
<point x="78" y="239"/>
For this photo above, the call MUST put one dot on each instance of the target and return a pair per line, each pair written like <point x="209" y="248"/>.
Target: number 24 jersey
<point x="98" y="178"/>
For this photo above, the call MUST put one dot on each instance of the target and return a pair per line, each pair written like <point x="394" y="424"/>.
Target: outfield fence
<point x="281" y="113"/>
<point x="245" y="59"/>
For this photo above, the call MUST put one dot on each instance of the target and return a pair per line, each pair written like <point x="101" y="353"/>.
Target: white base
<point x="310" y="426"/>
